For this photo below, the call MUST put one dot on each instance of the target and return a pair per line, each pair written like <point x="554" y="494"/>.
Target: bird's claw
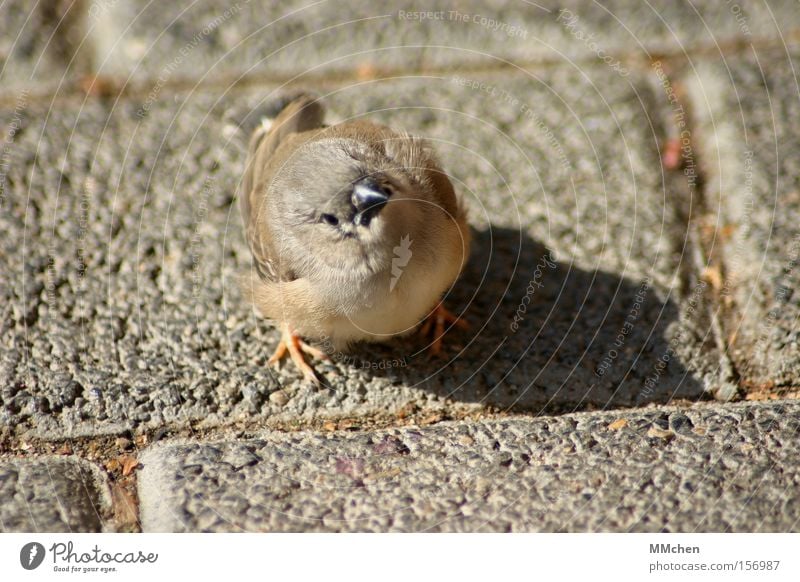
<point x="296" y="347"/>
<point x="436" y="322"/>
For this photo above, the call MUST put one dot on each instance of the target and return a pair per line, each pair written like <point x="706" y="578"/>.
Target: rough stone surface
<point x="212" y="40"/>
<point x="123" y="303"/>
<point x="52" y="494"/>
<point x="657" y="470"/>
<point x="749" y="127"/>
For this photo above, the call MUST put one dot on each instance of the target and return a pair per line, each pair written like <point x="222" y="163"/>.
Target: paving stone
<point x="748" y="125"/>
<point x="205" y="39"/>
<point x="123" y="305"/>
<point x="704" y="469"/>
<point x="52" y="494"/>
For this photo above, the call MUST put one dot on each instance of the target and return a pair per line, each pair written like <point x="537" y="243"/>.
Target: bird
<point x="355" y="232"/>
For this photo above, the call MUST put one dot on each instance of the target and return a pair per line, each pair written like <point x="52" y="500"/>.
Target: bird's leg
<point x="436" y="322"/>
<point x="291" y="342"/>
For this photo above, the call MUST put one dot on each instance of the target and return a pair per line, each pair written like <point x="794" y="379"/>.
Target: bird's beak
<point x="368" y="198"/>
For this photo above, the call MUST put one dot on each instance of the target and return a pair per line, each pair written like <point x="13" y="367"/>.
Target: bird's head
<point x="348" y="203"/>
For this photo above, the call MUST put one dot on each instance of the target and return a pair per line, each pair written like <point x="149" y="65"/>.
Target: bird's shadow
<point x="545" y="335"/>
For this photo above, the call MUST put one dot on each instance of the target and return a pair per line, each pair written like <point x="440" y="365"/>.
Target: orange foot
<point x="436" y="322"/>
<point x="291" y="342"/>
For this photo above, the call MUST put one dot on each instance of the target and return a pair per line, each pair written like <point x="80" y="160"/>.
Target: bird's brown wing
<point x="303" y="114"/>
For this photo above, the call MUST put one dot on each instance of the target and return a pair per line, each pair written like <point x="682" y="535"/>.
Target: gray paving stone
<point x="749" y="122"/>
<point x="705" y="469"/>
<point x="123" y="308"/>
<point x="52" y="494"/>
<point x="188" y="40"/>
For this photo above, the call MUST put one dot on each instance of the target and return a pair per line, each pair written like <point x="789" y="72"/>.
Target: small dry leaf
<point x="432" y="418"/>
<point x="713" y="276"/>
<point x="125" y="508"/>
<point x="671" y="154"/>
<point x="98" y="86"/>
<point x="726" y="232"/>
<point x="329" y="425"/>
<point x="660" y="433"/>
<point x="366" y="71"/>
<point x="618" y="424"/>
<point x="128" y="464"/>
<point x="406" y="411"/>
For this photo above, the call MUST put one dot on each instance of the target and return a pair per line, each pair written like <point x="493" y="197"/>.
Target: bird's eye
<point x="329" y="219"/>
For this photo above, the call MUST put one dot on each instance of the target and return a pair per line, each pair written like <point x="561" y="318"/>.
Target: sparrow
<point x="355" y="231"/>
